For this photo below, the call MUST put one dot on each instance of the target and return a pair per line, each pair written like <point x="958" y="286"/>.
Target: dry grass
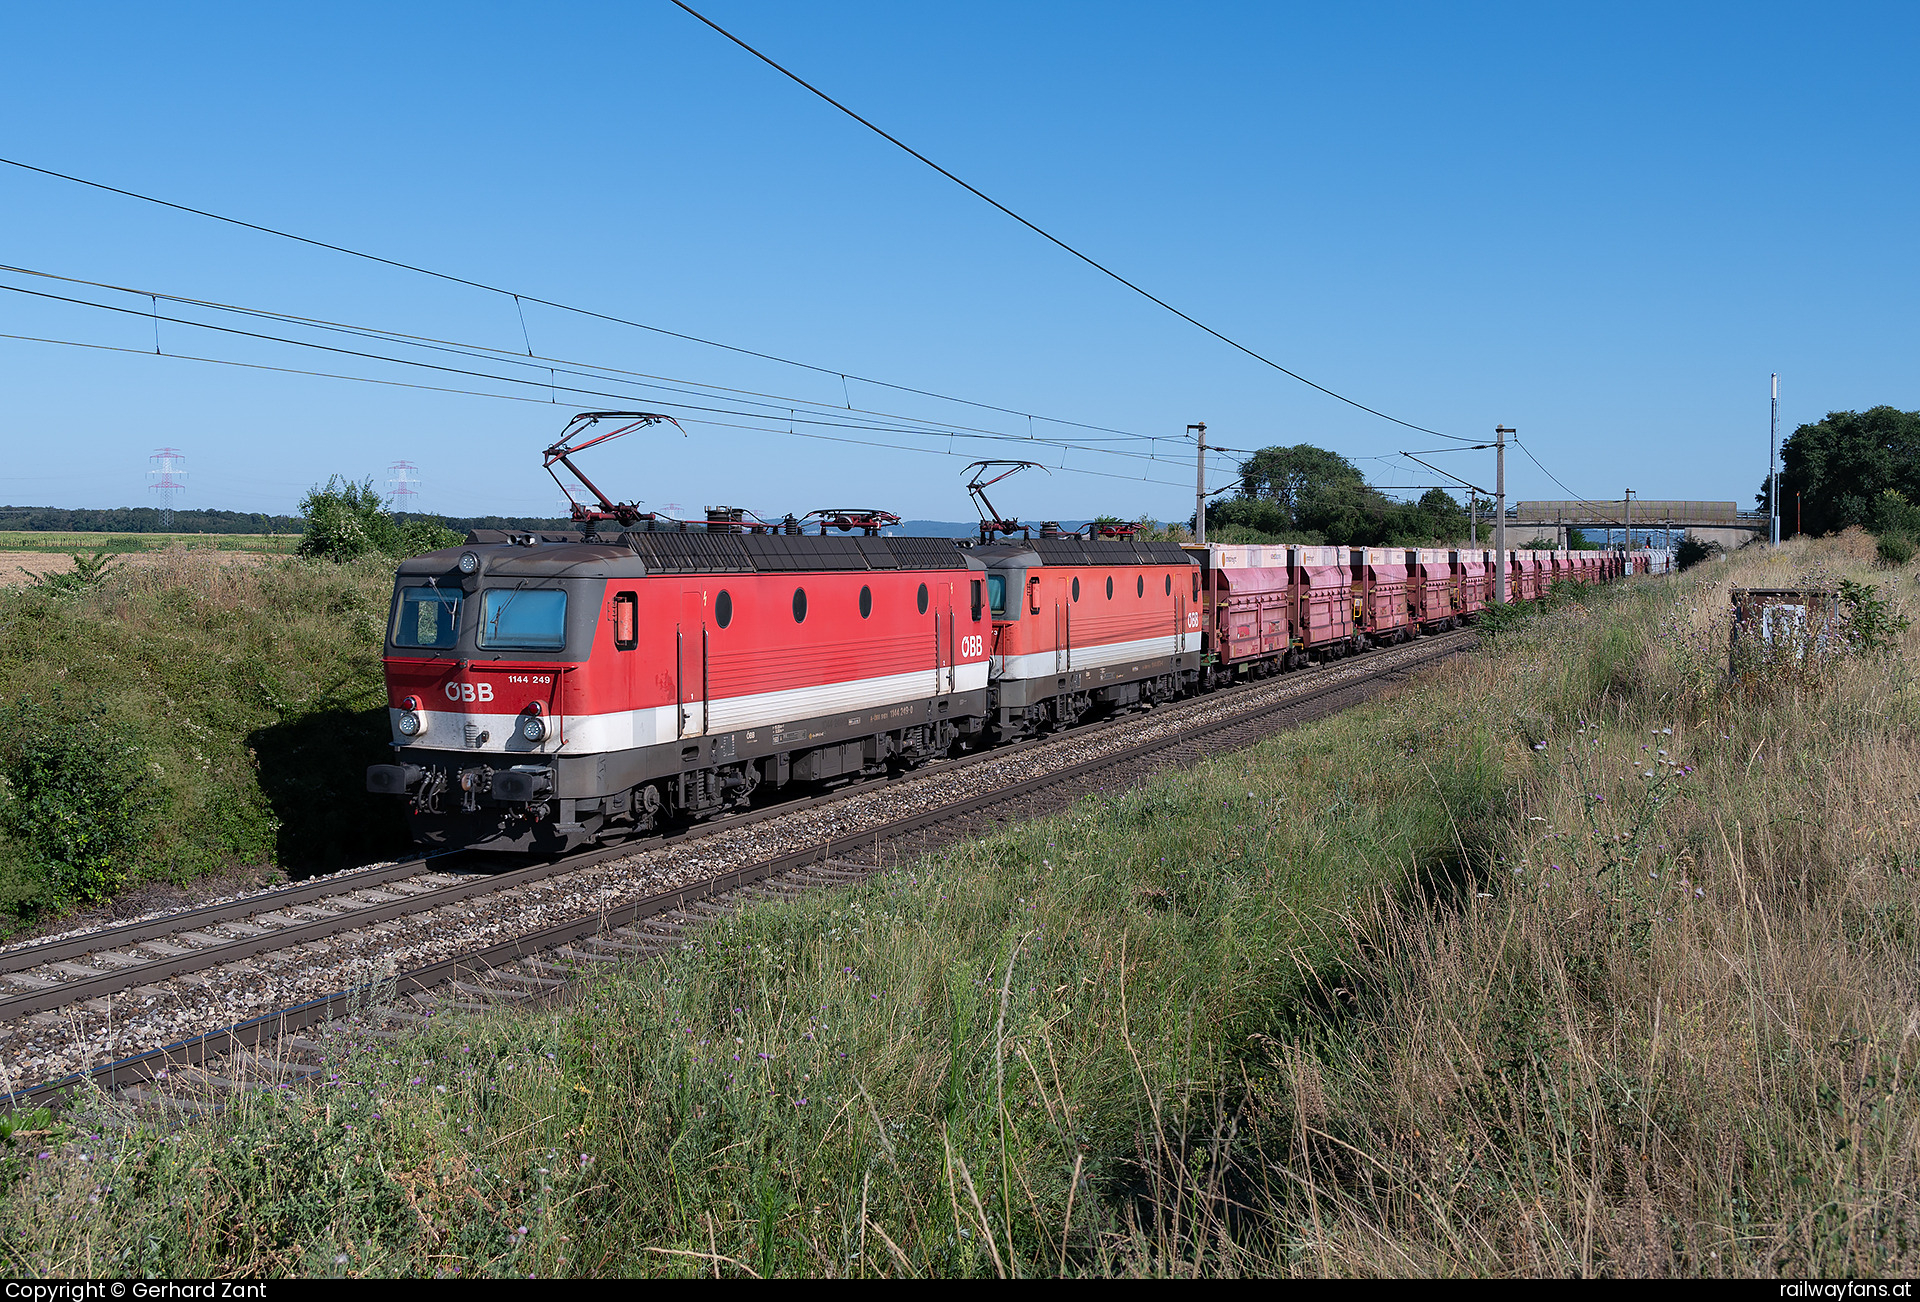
<point x="1474" y="980"/>
<point x="1676" y="1027"/>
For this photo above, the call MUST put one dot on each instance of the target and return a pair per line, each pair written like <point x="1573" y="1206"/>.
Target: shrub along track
<point x="820" y="841"/>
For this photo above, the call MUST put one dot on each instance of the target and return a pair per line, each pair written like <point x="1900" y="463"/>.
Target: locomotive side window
<point x="923" y="599"/>
<point x="523" y="619"/>
<point x="1169" y="585"/>
<point x="1196" y="585"/>
<point x="1109" y="587"/>
<point x="1139" y="585"/>
<point x="799" y="605"/>
<point x="976" y="600"/>
<point x="997" y="594"/>
<point x="1076" y="587"/>
<point x="626" y="622"/>
<point x="429" y="617"/>
<point x="723" y="608"/>
<point x="866" y="601"/>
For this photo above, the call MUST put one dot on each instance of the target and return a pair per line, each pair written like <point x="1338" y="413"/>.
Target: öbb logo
<point x="469" y="692"/>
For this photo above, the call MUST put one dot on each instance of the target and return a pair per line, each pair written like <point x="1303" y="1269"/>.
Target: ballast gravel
<point x="76" y="1037"/>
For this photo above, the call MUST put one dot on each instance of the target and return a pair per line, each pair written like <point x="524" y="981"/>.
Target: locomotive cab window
<point x="997" y="595"/>
<point x="626" y="622"/>
<point x="1196" y="585"/>
<point x="429" y="617"/>
<point x="975" y="589"/>
<point x="523" y="619"/>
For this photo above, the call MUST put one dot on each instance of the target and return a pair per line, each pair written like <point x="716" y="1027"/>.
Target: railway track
<point x="61" y="984"/>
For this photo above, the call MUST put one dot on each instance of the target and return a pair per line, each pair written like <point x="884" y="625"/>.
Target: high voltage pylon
<point x="168" y="480"/>
<point x="401" y="478"/>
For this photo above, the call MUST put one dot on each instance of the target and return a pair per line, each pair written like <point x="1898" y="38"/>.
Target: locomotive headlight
<point x="533" y="727"/>
<point x="409" y="724"/>
<point x="469" y="562"/>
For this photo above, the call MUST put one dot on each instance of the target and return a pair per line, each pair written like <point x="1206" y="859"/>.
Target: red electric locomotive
<point x="1086" y="623"/>
<point x="549" y="689"/>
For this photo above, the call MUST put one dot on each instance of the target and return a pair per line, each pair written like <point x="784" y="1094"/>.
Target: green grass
<point x="1442" y="985"/>
<point x="250" y="695"/>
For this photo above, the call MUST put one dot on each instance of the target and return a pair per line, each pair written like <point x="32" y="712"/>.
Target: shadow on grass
<point x="313" y="772"/>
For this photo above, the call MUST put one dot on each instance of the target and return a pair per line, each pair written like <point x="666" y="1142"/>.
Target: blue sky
<point x="1604" y="225"/>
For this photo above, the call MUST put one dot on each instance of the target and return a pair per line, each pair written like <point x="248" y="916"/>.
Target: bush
<point x="75" y="796"/>
<point x="1895" y="548"/>
<point x="346" y="521"/>
<point x="1894" y="514"/>
<point x="1692" y="551"/>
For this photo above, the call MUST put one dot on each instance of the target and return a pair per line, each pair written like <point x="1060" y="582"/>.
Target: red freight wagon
<point x="1533" y="573"/>
<point x="1324" y="592"/>
<point x="1471" y="577"/>
<point x="545" y="689"/>
<point x="1380" y="593"/>
<point x="1251" y="601"/>
<point x="1430" y="588"/>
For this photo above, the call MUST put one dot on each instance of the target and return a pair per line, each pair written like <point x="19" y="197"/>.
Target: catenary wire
<point x="547" y="302"/>
<point x="544" y="363"/>
<point x="1048" y="236"/>
<point x="514" y="397"/>
<point x="551" y="385"/>
<point x="1572" y="496"/>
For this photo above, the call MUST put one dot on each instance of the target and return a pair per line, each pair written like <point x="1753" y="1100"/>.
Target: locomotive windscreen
<point x="429" y="617"/>
<point x="997" y="593"/>
<point x="523" y="619"/>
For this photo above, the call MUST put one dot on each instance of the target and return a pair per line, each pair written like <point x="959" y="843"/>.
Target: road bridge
<point x="1650" y="521"/>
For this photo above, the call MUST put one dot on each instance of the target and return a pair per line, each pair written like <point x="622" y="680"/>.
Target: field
<point x="1574" y="957"/>
<point x="37" y="541"/>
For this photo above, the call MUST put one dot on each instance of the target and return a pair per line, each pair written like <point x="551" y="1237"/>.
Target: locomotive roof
<point x="1082" y="551"/>
<point x="699" y="552"/>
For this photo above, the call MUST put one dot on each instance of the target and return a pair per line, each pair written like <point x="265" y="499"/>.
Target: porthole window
<point x="923" y="599"/>
<point x="723" y="608"/>
<point x="1140" y="585"/>
<point x="799" y="605"/>
<point x="1109" y="587"/>
<point x="1076" y="588"/>
<point x="866" y="601"/>
<point x="1169" y="585"/>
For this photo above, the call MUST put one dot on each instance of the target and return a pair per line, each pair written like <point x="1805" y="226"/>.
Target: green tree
<point x="1839" y="466"/>
<point x="348" y="520"/>
<point x="1299" y="480"/>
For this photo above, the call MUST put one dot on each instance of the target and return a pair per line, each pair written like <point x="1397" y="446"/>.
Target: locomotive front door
<point x="690" y="664"/>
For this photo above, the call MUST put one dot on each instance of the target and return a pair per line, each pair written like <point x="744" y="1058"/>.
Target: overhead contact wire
<point x="546" y="302"/>
<point x="1049" y="236"/>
